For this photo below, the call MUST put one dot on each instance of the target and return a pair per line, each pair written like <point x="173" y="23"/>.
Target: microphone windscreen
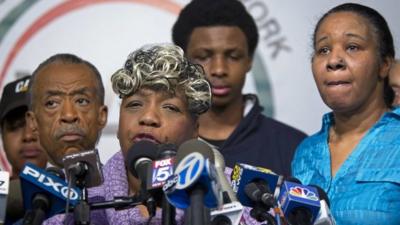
<point x="167" y="150"/>
<point x="252" y="191"/>
<point x="322" y="194"/>
<point x="141" y="149"/>
<point x="195" y="145"/>
<point x="15" y="206"/>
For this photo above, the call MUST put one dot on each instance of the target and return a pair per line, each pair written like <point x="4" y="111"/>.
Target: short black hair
<point x="68" y="59"/>
<point x="204" y="13"/>
<point x="381" y="29"/>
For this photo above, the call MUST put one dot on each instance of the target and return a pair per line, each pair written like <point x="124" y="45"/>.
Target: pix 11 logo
<point x="303" y="192"/>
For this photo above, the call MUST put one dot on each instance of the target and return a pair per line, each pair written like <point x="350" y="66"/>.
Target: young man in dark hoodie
<point x="222" y="37"/>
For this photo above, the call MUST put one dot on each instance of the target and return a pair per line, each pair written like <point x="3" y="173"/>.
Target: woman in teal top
<point x="355" y="157"/>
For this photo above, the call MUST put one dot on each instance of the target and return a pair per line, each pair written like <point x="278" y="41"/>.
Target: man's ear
<point x="31" y="121"/>
<point x="103" y="114"/>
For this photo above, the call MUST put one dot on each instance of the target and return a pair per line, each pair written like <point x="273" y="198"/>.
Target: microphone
<point x="255" y="188"/>
<point x="231" y="212"/>
<point x="160" y="171"/>
<point x="193" y="168"/>
<point x="4" y="188"/>
<point x="259" y="192"/>
<point x="85" y="167"/>
<point x="44" y="194"/>
<point x="254" y="184"/>
<point x="228" y="194"/>
<point x="194" y="145"/>
<point x="299" y="203"/>
<point x="84" y="171"/>
<point x="167" y="151"/>
<point x="280" y="182"/>
<point x="194" y="181"/>
<point x="139" y="159"/>
<point x="324" y="216"/>
<point x="15" y="207"/>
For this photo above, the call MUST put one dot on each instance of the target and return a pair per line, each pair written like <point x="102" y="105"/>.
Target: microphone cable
<point x="151" y="207"/>
<point x="149" y="220"/>
<point x="68" y="195"/>
<point x="75" y="169"/>
<point x="277" y="207"/>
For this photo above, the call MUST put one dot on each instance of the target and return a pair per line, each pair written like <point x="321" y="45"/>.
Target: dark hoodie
<point x="261" y="141"/>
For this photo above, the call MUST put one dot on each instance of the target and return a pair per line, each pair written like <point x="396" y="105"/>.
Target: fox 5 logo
<point x="162" y="169"/>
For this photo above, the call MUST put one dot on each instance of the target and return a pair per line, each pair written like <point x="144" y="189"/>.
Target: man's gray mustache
<point x="71" y="129"/>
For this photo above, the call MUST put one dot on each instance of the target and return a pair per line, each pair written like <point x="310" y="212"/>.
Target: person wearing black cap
<point x="20" y="143"/>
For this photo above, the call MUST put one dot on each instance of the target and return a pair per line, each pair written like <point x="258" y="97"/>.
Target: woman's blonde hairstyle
<point x="164" y="67"/>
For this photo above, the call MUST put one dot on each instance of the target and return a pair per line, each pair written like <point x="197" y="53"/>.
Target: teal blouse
<point x="366" y="188"/>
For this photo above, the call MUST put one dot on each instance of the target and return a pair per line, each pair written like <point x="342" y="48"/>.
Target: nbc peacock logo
<point x="303" y="192"/>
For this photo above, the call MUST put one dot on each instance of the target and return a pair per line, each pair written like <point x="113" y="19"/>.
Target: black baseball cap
<point x="15" y="95"/>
